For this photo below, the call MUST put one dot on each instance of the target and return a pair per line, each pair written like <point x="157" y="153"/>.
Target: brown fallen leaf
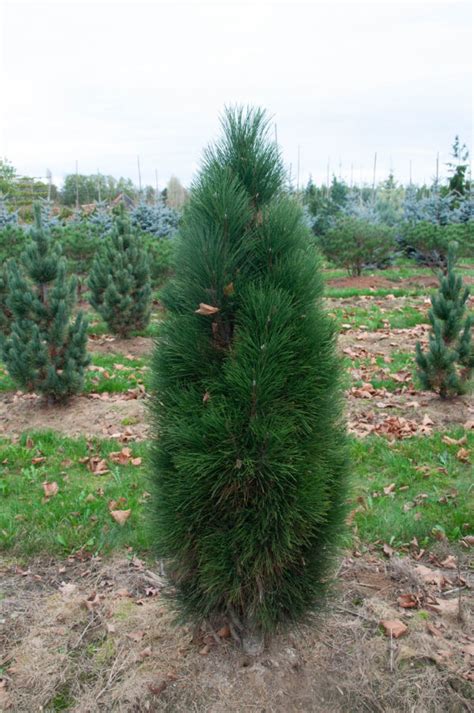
<point x="389" y="489"/>
<point x="468" y="541"/>
<point x="229" y="289"/>
<point x="224" y="632"/>
<point x="407" y="601"/>
<point x="463" y="455"/>
<point x="450" y="562"/>
<point x="394" y="627"/>
<point x="136" y="461"/>
<point x="387" y="550"/>
<point x="136" y="635"/>
<point x="454" y="441"/>
<point x="38" y="459"/>
<point x="205" y="650"/>
<point x="206" y="310"/>
<point x="121" y="457"/>
<point x="97" y="465"/>
<point x="146" y="652"/>
<point x="92" y="601"/>
<point x="50" y="489"/>
<point x="120" y="516"/>
<point x="433" y="630"/>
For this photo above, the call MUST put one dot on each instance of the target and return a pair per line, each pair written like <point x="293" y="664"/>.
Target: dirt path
<point x="88" y="635"/>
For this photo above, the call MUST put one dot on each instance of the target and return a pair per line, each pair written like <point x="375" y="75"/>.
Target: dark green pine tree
<point x="249" y="453"/>
<point x="447" y="366"/>
<point x="119" y="282"/>
<point x="46" y="350"/>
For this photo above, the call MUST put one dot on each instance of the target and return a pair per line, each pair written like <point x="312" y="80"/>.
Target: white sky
<point x="103" y="82"/>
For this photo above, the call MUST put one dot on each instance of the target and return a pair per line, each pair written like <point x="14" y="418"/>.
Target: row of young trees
<point x="82" y="236"/>
<point x="43" y="338"/>
<point x="365" y="227"/>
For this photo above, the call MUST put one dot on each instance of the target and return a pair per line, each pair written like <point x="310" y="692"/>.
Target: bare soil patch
<point x="382" y="342"/>
<point x="136" y="347"/>
<point x="368" y="411"/>
<point x="374" y="282"/>
<point x="401" y="415"/>
<point x="81" y="416"/>
<point x="83" y="635"/>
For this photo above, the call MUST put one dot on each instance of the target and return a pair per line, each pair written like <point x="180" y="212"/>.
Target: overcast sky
<point x="101" y="83"/>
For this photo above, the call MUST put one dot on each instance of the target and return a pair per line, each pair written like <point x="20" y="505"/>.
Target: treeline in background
<point x="355" y="226"/>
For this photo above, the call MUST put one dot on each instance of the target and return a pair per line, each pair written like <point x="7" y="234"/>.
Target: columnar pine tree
<point x="119" y="281"/>
<point x="46" y="350"/>
<point x="249" y="456"/>
<point x="447" y="365"/>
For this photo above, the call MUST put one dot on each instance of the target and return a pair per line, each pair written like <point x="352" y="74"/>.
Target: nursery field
<point x="84" y="624"/>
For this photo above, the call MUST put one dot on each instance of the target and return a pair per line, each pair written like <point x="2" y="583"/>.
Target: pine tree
<point x="447" y="366"/>
<point x="46" y="350"/>
<point x="249" y="456"/>
<point x="6" y="217"/>
<point x="119" y="281"/>
<point x="5" y="313"/>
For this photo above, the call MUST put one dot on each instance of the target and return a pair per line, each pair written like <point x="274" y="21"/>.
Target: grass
<point x="78" y="517"/>
<point x="346" y="292"/>
<point x="399" y="362"/>
<point x="115" y="373"/>
<point x="111" y="373"/>
<point x="370" y="317"/>
<point x="433" y="495"/>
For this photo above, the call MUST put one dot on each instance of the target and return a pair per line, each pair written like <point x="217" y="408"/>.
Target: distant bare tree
<point x="176" y="193"/>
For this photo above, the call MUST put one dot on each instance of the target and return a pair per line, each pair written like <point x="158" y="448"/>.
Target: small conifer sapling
<point x="119" y="282"/>
<point x="46" y="349"/>
<point x="446" y="367"/>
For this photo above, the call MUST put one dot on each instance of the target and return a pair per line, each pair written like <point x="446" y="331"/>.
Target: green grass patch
<point x="399" y="362"/>
<point x="371" y="317"/>
<point x="115" y="373"/>
<point x="111" y="373"/>
<point x="433" y="495"/>
<point x="434" y="500"/>
<point x="78" y="516"/>
<point x="346" y="292"/>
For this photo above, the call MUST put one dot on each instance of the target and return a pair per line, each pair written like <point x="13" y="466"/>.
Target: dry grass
<point x="106" y="641"/>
